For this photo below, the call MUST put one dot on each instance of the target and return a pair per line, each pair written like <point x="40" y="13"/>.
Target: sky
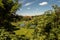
<point x="36" y="7"/>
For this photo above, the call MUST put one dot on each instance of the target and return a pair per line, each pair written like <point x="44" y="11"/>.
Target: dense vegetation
<point x="49" y="24"/>
<point x="41" y="27"/>
<point x="8" y="10"/>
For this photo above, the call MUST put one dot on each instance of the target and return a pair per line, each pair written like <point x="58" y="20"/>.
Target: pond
<point x="22" y="25"/>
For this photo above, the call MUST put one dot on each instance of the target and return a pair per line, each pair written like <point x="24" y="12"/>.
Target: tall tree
<point x="56" y="9"/>
<point x="8" y="10"/>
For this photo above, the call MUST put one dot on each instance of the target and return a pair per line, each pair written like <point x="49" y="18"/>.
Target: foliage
<point x="8" y="9"/>
<point x="46" y="26"/>
<point x="8" y="15"/>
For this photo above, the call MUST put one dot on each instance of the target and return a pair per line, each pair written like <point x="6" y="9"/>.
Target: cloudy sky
<point x="36" y="7"/>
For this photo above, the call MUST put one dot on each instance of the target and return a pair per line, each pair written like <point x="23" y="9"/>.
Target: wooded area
<point x="15" y="27"/>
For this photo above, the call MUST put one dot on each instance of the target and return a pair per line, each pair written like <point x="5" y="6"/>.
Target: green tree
<point x="8" y="15"/>
<point x="8" y="10"/>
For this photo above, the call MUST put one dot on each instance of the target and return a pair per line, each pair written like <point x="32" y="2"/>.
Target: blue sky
<point x="36" y="7"/>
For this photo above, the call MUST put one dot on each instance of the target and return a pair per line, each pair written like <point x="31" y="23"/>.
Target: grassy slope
<point x="23" y="31"/>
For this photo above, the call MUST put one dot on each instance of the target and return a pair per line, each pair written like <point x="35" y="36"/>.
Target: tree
<point x="57" y="12"/>
<point x="56" y="9"/>
<point x="48" y="13"/>
<point x="8" y="10"/>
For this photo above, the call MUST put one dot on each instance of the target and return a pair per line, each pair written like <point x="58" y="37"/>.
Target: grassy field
<point x="24" y="31"/>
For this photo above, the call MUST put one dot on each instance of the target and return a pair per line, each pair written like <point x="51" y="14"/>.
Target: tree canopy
<point x="8" y="10"/>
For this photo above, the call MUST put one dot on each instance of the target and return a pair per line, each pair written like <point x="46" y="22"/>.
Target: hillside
<point x="41" y="27"/>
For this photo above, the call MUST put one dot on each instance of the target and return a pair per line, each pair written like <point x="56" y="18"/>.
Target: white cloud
<point x="28" y="8"/>
<point x="20" y="9"/>
<point x="27" y="4"/>
<point x="43" y="3"/>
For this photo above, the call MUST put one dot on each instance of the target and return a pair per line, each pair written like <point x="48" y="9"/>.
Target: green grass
<point x="25" y="31"/>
